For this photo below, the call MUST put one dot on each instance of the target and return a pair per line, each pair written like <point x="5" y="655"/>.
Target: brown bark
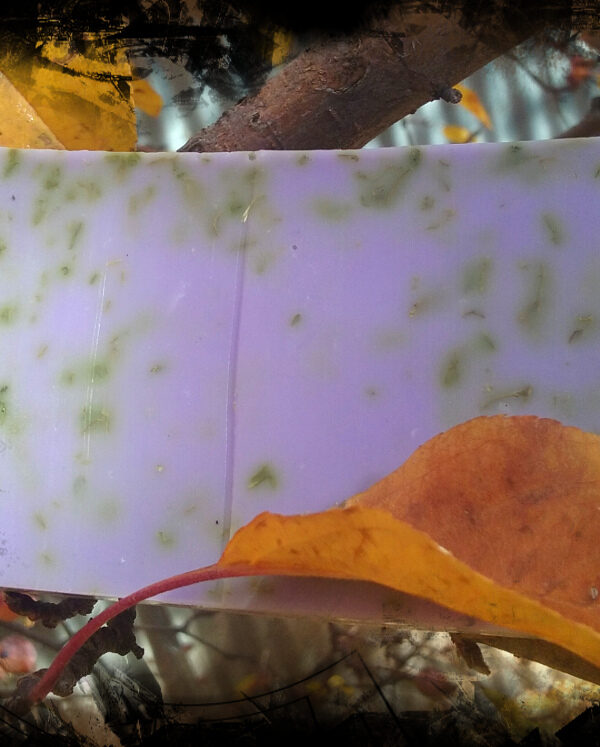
<point x="344" y="91"/>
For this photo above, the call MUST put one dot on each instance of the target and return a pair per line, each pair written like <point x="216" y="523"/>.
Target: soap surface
<point x="189" y="339"/>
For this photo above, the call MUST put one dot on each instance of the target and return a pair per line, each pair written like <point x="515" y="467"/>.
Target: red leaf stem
<point x="52" y="674"/>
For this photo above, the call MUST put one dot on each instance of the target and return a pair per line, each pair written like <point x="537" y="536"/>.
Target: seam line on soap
<point x="232" y="366"/>
<point x="89" y="399"/>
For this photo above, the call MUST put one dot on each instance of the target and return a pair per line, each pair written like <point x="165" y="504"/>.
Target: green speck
<point x="485" y="343"/>
<point x="11" y="163"/>
<point x="349" y="156"/>
<point x="532" y="313"/>
<point x="264" y="476"/>
<point x="95" y="418"/>
<point x="123" y="162"/>
<point x="8" y="314"/>
<point x="296" y="319"/>
<point x="40" y="520"/>
<point x="46" y="558"/>
<point x="252" y="156"/>
<point x="331" y="209"/>
<point x="381" y="188"/>
<point x="67" y="378"/>
<point x="193" y="191"/>
<point x="443" y="175"/>
<point x="303" y="159"/>
<point x="522" y="394"/>
<point x="3" y="246"/>
<point x="108" y="510"/>
<point x="597" y="173"/>
<point x="254" y="175"/>
<point x="444" y="218"/>
<point x="94" y="278"/>
<point x="427" y="203"/>
<point x="553" y="228"/>
<point x="89" y="190"/>
<point x="141" y="199"/>
<point x="52" y="179"/>
<point x="40" y="210"/>
<point x="65" y="270"/>
<point x="452" y="370"/>
<point x="582" y="323"/>
<point x="79" y="485"/>
<point x="476" y="275"/>
<point x="157" y="368"/>
<point x="425" y="303"/>
<point x="519" y="160"/>
<point x="514" y="155"/>
<point x="74" y="230"/>
<point x="262" y="263"/>
<point x="371" y="392"/>
<point x="3" y="411"/>
<point x="165" y="539"/>
<point x="100" y="370"/>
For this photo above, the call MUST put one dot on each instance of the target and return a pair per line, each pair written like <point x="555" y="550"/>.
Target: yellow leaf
<point x="497" y="518"/>
<point x="82" y="99"/>
<point x="282" y="45"/>
<point x="146" y="98"/>
<point x="20" y="124"/>
<point x="369" y="544"/>
<point x="470" y="100"/>
<point x="458" y="134"/>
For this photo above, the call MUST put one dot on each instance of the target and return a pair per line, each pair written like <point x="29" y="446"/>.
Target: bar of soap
<point x="189" y="339"/>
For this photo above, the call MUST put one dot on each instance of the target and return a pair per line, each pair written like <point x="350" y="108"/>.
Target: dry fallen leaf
<point x="517" y="499"/>
<point x="369" y="544"/>
<point x="498" y="518"/>
<point x="69" y="99"/>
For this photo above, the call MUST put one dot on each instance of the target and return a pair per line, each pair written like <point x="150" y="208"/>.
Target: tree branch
<point x="345" y="90"/>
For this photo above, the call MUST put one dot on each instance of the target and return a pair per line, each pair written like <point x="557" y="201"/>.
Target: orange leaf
<point x="369" y="544"/>
<point x="472" y="103"/>
<point x="145" y="97"/>
<point x="498" y="518"/>
<point x="517" y="498"/>
<point x="458" y="134"/>
<point x="6" y="614"/>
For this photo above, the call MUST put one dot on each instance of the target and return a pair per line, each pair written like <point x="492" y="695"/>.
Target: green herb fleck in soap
<point x="11" y="163"/>
<point x="95" y="418"/>
<point x="331" y="210"/>
<point x="263" y="477"/>
<point x="533" y="311"/>
<point x="165" y="539"/>
<point x="476" y="276"/>
<point x="452" y="369"/>
<point x="553" y="227"/>
<point x="382" y="187"/>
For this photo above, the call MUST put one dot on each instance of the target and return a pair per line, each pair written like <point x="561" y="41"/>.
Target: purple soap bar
<point x="188" y="339"/>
